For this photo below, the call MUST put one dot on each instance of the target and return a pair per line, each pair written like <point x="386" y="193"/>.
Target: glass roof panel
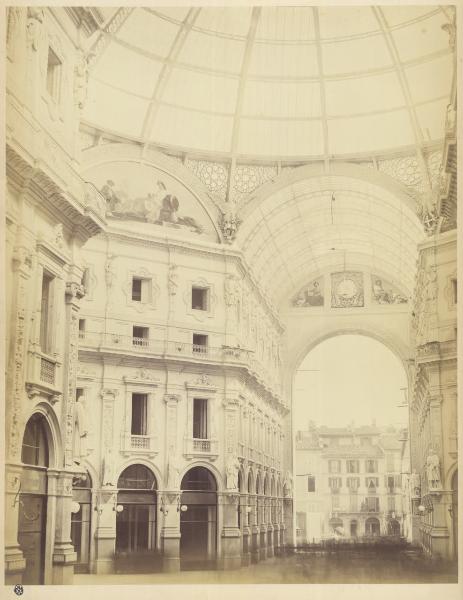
<point x="270" y="99"/>
<point x="430" y="80"/>
<point x="285" y="138"/>
<point x="371" y="133"/>
<point x="432" y="118"/>
<point x="358" y="54"/>
<point x="422" y="38"/>
<point x="398" y="14"/>
<point x="175" y="127"/>
<point x="363" y="94"/>
<point x="224" y="21"/>
<point x="207" y="93"/>
<point x="283" y="61"/>
<point x="127" y="70"/>
<point x="124" y="113"/>
<point x="175" y="13"/>
<point x="138" y="31"/>
<point x="287" y="24"/>
<point x="339" y="21"/>
<point x="212" y="52"/>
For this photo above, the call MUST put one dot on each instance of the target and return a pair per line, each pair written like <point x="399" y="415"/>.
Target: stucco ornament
<point x="433" y="471"/>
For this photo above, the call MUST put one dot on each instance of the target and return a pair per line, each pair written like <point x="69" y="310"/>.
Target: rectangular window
<point x="136" y="289"/>
<point x="200" y="298"/>
<point x="334" y="483"/>
<point x="311" y="484"/>
<point x="390" y="481"/>
<point x="334" y="466"/>
<point x="372" y="504"/>
<point x="353" y="483"/>
<point x="140" y="336"/>
<point x="53" y="75"/>
<point x="199" y="343"/>
<point x="79" y="393"/>
<point x="301" y="522"/>
<point x="81" y="329"/>
<point x="335" y="502"/>
<point x="372" y="483"/>
<point x="139" y="414"/>
<point x="353" y="503"/>
<point x="391" y="503"/>
<point x="371" y="466"/>
<point x="352" y="466"/>
<point x="200" y="418"/>
<point x="45" y="309"/>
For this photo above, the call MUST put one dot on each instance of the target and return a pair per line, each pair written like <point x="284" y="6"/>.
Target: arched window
<point x="137" y="477"/>
<point x="35" y="445"/>
<point x="200" y="479"/>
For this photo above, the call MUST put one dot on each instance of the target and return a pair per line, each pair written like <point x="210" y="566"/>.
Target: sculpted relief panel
<point x="142" y="193"/>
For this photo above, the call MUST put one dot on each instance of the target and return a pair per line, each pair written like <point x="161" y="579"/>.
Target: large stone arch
<point x="53" y="433"/>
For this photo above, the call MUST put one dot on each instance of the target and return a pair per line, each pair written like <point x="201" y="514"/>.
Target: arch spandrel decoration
<point x="151" y="198"/>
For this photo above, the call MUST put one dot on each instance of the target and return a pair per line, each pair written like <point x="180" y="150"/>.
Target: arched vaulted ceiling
<point x="329" y="222"/>
<point x="272" y="81"/>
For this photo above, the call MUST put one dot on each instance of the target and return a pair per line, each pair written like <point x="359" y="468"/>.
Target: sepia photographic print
<point x="231" y="294"/>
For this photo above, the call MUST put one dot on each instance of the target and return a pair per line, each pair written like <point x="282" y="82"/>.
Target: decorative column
<point x="246" y="530"/>
<point x="231" y="534"/>
<point x="105" y="534"/>
<point x="254" y="526"/>
<point x="171" y="498"/>
<point x="14" y="560"/>
<point x="64" y="555"/>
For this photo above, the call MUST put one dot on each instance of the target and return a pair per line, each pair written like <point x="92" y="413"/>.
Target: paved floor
<point x="399" y="566"/>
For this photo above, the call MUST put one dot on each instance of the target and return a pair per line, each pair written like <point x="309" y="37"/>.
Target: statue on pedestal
<point x="433" y="471"/>
<point x="232" y="470"/>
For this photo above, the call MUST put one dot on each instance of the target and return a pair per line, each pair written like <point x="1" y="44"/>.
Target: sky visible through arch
<point x="349" y="378"/>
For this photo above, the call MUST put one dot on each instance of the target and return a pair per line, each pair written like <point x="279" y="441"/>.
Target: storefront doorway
<point x="32" y="499"/>
<point x="198" y="520"/>
<point x="81" y="522"/>
<point x="136" y="521"/>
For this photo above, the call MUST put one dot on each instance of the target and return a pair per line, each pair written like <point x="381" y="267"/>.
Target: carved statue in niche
<point x="158" y="207"/>
<point x="433" y="471"/>
<point x="35" y="19"/>
<point x="232" y="470"/>
<point x="80" y="431"/>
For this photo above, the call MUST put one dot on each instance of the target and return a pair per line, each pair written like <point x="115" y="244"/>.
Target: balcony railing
<point x="201" y="447"/>
<point x="147" y="444"/>
<point x="241" y="356"/>
<point x="47" y="371"/>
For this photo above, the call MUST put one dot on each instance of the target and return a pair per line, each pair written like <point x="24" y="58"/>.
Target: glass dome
<point x="272" y="82"/>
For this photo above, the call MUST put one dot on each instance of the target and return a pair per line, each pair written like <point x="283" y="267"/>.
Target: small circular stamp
<point x="18" y="590"/>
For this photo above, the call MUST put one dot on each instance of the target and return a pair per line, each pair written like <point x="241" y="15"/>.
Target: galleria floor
<point x="196" y="198"/>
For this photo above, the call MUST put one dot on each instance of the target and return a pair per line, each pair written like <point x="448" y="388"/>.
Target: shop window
<point x="199" y="298"/>
<point x="45" y="312"/>
<point x="53" y="75"/>
<point x="200" y="428"/>
<point x="140" y="336"/>
<point x="311" y="484"/>
<point x="139" y="424"/>
<point x="200" y="343"/>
